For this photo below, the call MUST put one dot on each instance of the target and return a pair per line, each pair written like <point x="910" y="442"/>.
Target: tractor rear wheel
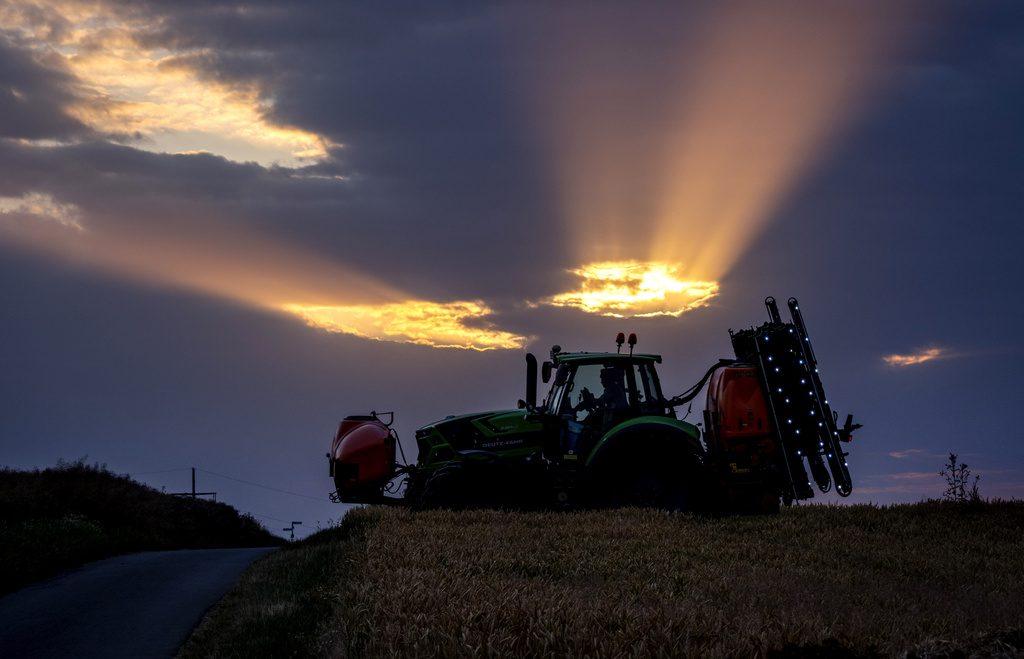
<point x="647" y="488"/>
<point x="648" y="465"/>
<point x="668" y="485"/>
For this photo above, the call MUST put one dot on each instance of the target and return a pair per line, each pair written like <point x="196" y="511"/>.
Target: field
<point x="55" y="519"/>
<point x="925" y="580"/>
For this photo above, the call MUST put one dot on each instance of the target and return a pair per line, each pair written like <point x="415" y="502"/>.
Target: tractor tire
<point x="672" y="486"/>
<point x="643" y="488"/>
<point x="448" y="487"/>
<point x="648" y="466"/>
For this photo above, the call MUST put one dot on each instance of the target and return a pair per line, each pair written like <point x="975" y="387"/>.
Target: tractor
<point x="606" y="436"/>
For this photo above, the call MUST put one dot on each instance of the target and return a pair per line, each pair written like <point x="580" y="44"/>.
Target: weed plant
<point x="957" y="479"/>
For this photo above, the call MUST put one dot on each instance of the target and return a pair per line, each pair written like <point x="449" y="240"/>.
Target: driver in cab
<point x="612" y="399"/>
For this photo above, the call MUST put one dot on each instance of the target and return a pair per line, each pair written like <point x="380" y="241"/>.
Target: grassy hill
<point x="55" y="519"/>
<point x="931" y="579"/>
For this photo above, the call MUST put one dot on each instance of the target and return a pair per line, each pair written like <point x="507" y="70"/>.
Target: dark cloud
<point x="422" y="101"/>
<point x="34" y="97"/>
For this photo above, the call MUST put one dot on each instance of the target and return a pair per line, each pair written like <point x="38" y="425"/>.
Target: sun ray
<point x="235" y="262"/>
<point x="687" y="160"/>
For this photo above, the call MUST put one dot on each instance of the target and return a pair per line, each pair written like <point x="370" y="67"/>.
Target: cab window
<point x="648" y="392"/>
<point x="585" y="385"/>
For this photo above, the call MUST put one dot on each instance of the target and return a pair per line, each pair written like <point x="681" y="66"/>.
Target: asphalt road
<point x="137" y="606"/>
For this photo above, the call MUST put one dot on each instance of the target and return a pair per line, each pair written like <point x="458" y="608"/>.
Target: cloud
<point x="161" y="220"/>
<point x="438" y="325"/>
<point x="34" y="94"/>
<point x="44" y="206"/>
<point x="151" y="96"/>
<point x="920" y="357"/>
<point x="908" y="483"/>
<point x="632" y="288"/>
<point x="891" y="489"/>
<point x="432" y="182"/>
<point x="912" y="476"/>
<point x="914" y="453"/>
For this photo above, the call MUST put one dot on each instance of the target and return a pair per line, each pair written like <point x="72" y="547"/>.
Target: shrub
<point x="957" y="479"/>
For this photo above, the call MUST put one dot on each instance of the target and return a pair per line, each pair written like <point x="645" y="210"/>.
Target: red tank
<point x="737" y="406"/>
<point x="362" y="458"/>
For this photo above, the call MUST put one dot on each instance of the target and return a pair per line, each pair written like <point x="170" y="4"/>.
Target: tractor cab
<point x="591" y="393"/>
<point x="587" y="386"/>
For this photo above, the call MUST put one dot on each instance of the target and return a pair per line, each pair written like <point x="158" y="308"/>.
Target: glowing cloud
<point x="907" y="453"/>
<point x="912" y="476"/>
<point x="41" y="205"/>
<point x="634" y="288"/>
<point x="439" y="325"/>
<point x="128" y="89"/>
<point x="920" y="357"/>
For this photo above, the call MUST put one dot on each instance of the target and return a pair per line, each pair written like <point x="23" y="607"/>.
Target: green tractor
<point x="606" y="436"/>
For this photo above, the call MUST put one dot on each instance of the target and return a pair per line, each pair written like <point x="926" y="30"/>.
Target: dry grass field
<point x="929" y="579"/>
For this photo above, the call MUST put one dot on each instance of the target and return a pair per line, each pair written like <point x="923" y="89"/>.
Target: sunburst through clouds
<point x="661" y="195"/>
<point x="679" y="167"/>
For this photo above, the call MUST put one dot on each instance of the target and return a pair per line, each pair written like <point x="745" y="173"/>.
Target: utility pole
<point x="291" y="529"/>
<point x="193" y="493"/>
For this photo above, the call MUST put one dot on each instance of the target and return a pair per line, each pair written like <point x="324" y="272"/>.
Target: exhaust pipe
<point x="531" y="381"/>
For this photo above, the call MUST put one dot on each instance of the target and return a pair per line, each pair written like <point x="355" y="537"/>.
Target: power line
<point x="161" y="471"/>
<point x="276" y="519"/>
<point x="302" y="529"/>
<point x="265" y="487"/>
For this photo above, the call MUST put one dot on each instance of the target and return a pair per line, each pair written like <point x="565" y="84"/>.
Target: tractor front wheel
<point x="447" y="487"/>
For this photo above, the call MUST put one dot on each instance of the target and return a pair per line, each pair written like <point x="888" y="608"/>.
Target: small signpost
<point x="291" y="529"/>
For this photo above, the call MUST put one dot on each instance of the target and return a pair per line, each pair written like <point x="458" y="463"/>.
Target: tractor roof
<point x="602" y="357"/>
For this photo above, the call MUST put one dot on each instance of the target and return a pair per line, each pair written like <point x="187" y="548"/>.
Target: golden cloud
<point x="907" y="453"/>
<point x="635" y="288"/>
<point x="44" y="206"/>
<point x="438" y="325"/>
<point x="920" y="357"/>
<point x="125" y="88"/>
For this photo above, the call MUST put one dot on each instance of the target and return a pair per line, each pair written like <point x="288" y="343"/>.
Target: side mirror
<point x="545" y="372"/>
<point x="521" y="404"/>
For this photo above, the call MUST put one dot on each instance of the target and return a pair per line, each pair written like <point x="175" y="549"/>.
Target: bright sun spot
<point x="434" y="324"/>
<point x="635" y="288"/>
<point x="157" y="95"/>
<point x="920" y="357"/>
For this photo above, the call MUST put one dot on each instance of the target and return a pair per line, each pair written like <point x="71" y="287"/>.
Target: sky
<point x="224" y="226"/>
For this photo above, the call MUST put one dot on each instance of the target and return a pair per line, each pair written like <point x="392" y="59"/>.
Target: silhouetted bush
<point x="957" y="479"/>
<point x="57" y="518"/>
